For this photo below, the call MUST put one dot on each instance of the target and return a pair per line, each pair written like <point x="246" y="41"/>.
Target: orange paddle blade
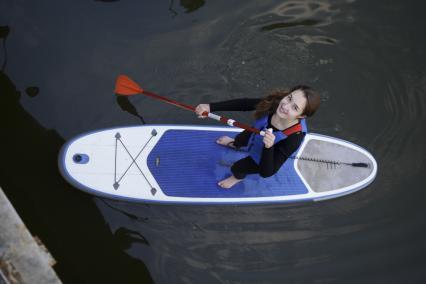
<point x="126" y="86"/>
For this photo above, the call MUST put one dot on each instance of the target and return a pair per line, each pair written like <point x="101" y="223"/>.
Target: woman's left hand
<point x="269" y="138"/>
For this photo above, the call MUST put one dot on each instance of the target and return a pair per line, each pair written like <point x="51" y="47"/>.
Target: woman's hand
<point x="201" y="108"/>
<point x="269" y="138"/>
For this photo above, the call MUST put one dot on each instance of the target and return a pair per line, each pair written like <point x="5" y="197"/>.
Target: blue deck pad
<point x="191" y="164"/>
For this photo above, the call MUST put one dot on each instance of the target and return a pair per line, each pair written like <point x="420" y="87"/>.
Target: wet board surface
<point x="183" y="164"/>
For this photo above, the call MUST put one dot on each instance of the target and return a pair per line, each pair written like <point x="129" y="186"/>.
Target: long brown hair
<point x="269" y="104"/>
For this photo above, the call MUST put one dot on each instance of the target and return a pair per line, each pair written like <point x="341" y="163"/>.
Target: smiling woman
<point x="304" y="94"/>
<point x="283" y="113"/>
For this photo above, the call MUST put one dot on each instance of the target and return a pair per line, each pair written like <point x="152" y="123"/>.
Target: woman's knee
<point x="237" y="172"/>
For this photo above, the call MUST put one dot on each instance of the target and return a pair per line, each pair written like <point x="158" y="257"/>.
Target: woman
<point x="283" y="113"/>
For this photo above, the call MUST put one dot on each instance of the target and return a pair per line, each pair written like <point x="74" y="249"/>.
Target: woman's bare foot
<point x="229" y="182"/>
<point x="226" y="141"/>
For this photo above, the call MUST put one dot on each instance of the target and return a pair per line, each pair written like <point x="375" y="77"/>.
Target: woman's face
<point x="291" y="107"/>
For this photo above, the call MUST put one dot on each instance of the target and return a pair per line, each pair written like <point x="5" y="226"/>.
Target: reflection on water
<point x="192" y="5"/>
<point x="189" y="5"/>
<point x="126" y="105"/>
<point x="126" y="238"/>
<point x="4" y="32"/>
<point x="299" y="9"/>
<point x="298" y="13"/>
<point x="32" y="91"/>
<point x="214" y="244"/>
<point x="307" y="22"/>
<point x="66" y="220"/>
<point x="317" y="39"/>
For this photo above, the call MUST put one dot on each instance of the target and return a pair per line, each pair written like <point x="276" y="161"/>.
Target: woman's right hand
<point x="201" y="108"/>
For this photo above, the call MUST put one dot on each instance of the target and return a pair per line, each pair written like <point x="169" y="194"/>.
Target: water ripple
<point x="307" y="22"/>
<point x="403" y="101"/>
<point x="305" y="13"/>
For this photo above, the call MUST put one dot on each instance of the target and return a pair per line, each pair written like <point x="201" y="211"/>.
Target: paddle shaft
<point x="222" y="119"/>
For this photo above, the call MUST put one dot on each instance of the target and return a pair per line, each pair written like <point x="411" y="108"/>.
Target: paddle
<point x="125" y="86"/>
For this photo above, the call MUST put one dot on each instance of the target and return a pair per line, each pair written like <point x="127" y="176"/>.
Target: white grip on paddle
<point x="262" y="132"/>
<point x="230" y="122"/>
<point x="214" y="116"/>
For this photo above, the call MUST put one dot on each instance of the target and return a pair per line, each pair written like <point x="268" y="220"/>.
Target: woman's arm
<point x="273" y="158"/>
<point x="244" y="104"/>
<point x="231" y="105"/>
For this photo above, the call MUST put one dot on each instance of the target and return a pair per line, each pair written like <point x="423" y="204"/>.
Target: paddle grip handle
<point x="211" y="115"/>
<point x="232" y="122"/>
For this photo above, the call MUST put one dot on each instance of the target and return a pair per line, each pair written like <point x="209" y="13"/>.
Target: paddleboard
<point x="182" y="165"/>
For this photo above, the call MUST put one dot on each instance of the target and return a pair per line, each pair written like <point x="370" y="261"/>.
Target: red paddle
<point x="127" y="87"/>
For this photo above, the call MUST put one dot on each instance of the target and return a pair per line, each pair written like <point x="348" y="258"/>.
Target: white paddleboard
<point x="183" y="164"/>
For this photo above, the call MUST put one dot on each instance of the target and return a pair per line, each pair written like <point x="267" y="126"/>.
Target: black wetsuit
<point x="272" y="158"/>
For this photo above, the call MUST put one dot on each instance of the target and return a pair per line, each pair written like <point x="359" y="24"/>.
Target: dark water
<point x="59" y="61"/>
